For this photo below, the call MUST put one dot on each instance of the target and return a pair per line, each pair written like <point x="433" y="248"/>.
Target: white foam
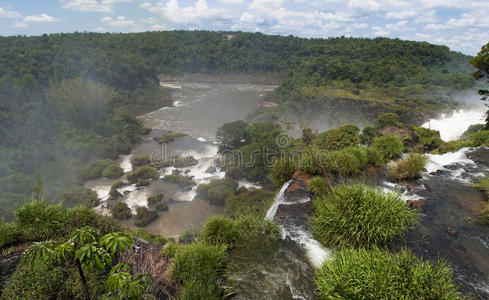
<point x="137" y="198"/>
<point x="201" y="139"/>
<point x="170" y="85"/>
<point x="439" y="162"/>
<point x="451" y="126"/>
<point x="126" y="164"/>
<point x="279" y="198"/>
<point x="103" y="192"/>
<point x="247" y="184"/>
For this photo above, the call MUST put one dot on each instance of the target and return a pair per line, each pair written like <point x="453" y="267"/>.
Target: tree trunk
<point x="84" y="281"/>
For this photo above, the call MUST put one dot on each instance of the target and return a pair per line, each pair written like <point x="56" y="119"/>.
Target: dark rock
<point x="211" y="170"/>
<point x="452" y="231"/>
<point x="416" y="204"/>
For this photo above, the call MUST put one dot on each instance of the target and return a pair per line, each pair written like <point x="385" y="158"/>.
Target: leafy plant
<point x="390" y="146"/>
<point x="123" y="285"/>
<point x="408" y="167"/>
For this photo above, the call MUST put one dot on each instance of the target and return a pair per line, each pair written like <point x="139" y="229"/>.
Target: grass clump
<point x="317" y="185"/>
<point x="378" y="274"/>
<point x="112" y="171"/>
<point x="360" y="216"/>
<point x="249" y="202"/>
<point x="120" y="211"/>
<point x="409" y="167"/>
<point x="142" y="173"/>
<point x="155" y="199"/>
<point x="145" y="216"/>
<point x="390" y="146"/>
<point x="9" y="234"/>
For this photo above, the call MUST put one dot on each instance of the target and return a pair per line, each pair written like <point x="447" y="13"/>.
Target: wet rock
<point x="416" y="204"/>
<point x="187" y="171"/>
<point x="452" y="231"/>
<point x="211" y="170"/>
<point x="296" y="214"/>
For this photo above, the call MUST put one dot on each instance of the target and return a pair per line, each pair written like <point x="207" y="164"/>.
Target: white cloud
<point x="120" y="21"/>
<point x="379" y="31"/>
<point x="149" y="20"/>
<point x="427" y="17"/>
<point x="448" y="4"/>
<point x="231" y="1"/>
<point x="157" y="27"/>
<point x="190" y="14"/>
<point x="41" y="18"/>
<point x="7" y="13"/>
<point x="403" y="14"/>
<point x="18" y="24"/>
<point x="93" y="5"/>
<point x="265" y="5"/>
<point x="364" y="5"/>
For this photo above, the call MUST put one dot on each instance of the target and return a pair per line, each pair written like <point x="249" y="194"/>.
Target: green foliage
<point x="145" y="216"/>
<point x="225" y="231"/>
<point x="368" y="134"/>
<point x="218" y="190"/>
<point x="112" y="171"/>
<point x="282" y="171"/>
<point x="360" y="216"/>
<point x="317" y="185"/>
<point x="337" y="139"/>
<point x="428" y="139"/>
<point x="378" y="274"/>
<point x="231" y="135"/>
<point x="81" y="216"/>
<point x="199" y="261"/>
<point x="249" y="202"/>
<point x="39" y="220"/>
<point x="10" y="233"/>
<point x="155" y="199"/>
<point x="95" y="169"/>
<point x="143" y="172"/>
<point x="182" y="181"/>
<point x="192" y="290"/>
<point x="234" y="173"/>
<point x="409" y="167"/>
<point x="140" y="160"/>
<point x="74" y="196"/>
<point x="390" y="146"/>
<point x="123" y="285"/>
<point x="388" y="119"/>
<point x="485" y="213"/>
<point x="170" y="136"/>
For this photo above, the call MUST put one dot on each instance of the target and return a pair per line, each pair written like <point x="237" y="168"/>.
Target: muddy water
<point x="199" y="109"/>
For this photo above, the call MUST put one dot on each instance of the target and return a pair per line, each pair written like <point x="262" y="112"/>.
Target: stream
<point x="449" y="224"/>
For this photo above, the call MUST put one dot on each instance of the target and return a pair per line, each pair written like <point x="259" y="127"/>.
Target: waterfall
<point x="315" y="252"/>
<point x="452" y="126"/>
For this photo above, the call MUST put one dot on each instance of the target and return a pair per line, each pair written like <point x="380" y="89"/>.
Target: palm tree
<point x="85" y="249"/>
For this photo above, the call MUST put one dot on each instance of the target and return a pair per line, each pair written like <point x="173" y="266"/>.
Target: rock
<point x="186" y="171"/>
<point x="416" y="204"/>
<point x="452" y="231"/>
<point x="211" y="170"/>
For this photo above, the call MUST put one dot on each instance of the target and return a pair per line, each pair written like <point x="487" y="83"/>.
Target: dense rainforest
<point x="67" y="101"/>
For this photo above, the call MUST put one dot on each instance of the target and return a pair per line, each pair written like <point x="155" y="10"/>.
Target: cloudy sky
<point x="463" y="25"/>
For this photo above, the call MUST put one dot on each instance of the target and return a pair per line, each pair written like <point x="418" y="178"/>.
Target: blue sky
<point x="463" y="25"/>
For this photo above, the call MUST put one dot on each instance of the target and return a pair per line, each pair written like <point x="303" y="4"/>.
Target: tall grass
<point x="378" y="274"/>
<point x="409" y="167"/>
<point x="360" y="216"/>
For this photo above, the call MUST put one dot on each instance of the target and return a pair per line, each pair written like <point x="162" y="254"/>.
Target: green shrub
<point x="82" y="216"/>
<point x="388" y="119"/>
<point x="143" y="172"/>
<point x="472" y="129"/>
<point x="360" y="216"/>
<point x="317" y="185"/>
<point x="118" y="185"/>
<point x="9" y="234"/>
<point x="390" y="146"/>
<point x="155" y="199"/>
<point x="483" y="185"/>
<point x="378" y="274"/>
<point x="70" y="197"/>
<point x="234" y="173"/>
<point x="140" y="160"/>
<point x="95" y="169"/>
<point x="428" y="139"/>
<point x="408" y="167"/>
<point x="480" y="138"/>
<point x="145" y="216"/>
<point x="367" y="136"/>
<point x="343" y="163"/>
<point x="194" y="290"/>
<point x="162" y="206"/>
<point x="120" y="211"/>
<point x="374" y="157"/>
<point x="337" y="139"/>
<point x="113" y="171"/>
<point x="452" y="146"/>
<point x="200" y="262"/>
<point x="282" y="171"/>
<point x="218" y="190"/>
<point x="313" y="162"/>
<point x="189" y="236"/>
<point x="170" y="249"/>
<point x="170" y="136"/>
<point x="39" y="220"/>
<point x="143" y="234"/>
<point x="249" y="202"/>
<point x="180" y="180"/>
<point x="220" y="230"/>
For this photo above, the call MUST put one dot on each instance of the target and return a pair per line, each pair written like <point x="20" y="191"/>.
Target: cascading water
<point x="451" y="126"/>
<point x="298" y="233"/>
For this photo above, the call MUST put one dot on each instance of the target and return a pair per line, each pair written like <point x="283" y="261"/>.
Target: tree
<point x="231" y="135"/>
<point x="85" y="249"/>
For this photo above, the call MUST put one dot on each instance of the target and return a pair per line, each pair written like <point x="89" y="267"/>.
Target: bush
<point x="193" y="290"/>
<point x="199" y="262"/>
<point x="120" y="211"/>
<point x="95" y="169"/>
<point x="218" y="190"/>
<point x="390" y="146"/>
<point x="143" y="234"/>
<point x="40" y="221"/>
<point x="170" y="136"/>
<point x="82" y="216"/>
<point x="144" y="172"/>
<point x="74" y="196"/>
<point x="234" y="173"/>
<point x="480" y="138"/>
<point x="343" y="163"/>
<point x="378" y="274"/>
<point x="145" y="216"/>
<point x="428" y="139"/>
<point x="155" y="199"/>
<point x="112" y="171"/>
<point x="282" y="171"/>
<point x="409" y="167"/>
<point x="220" y="230"/>
<point x="140" y="160"/>
<point x="360" y="216"/>
<point x="180" y="180"/>
<point x="337" y="139"/>
<point x="388" y="119"/>
<point x="249" y="202"/>
<point x="367" y="136"/>
<point x="9" y="234"/>
<point x="317" y="185"/>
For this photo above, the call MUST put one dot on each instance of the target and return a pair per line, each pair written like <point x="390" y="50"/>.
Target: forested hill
<point x="67" y="101"/>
